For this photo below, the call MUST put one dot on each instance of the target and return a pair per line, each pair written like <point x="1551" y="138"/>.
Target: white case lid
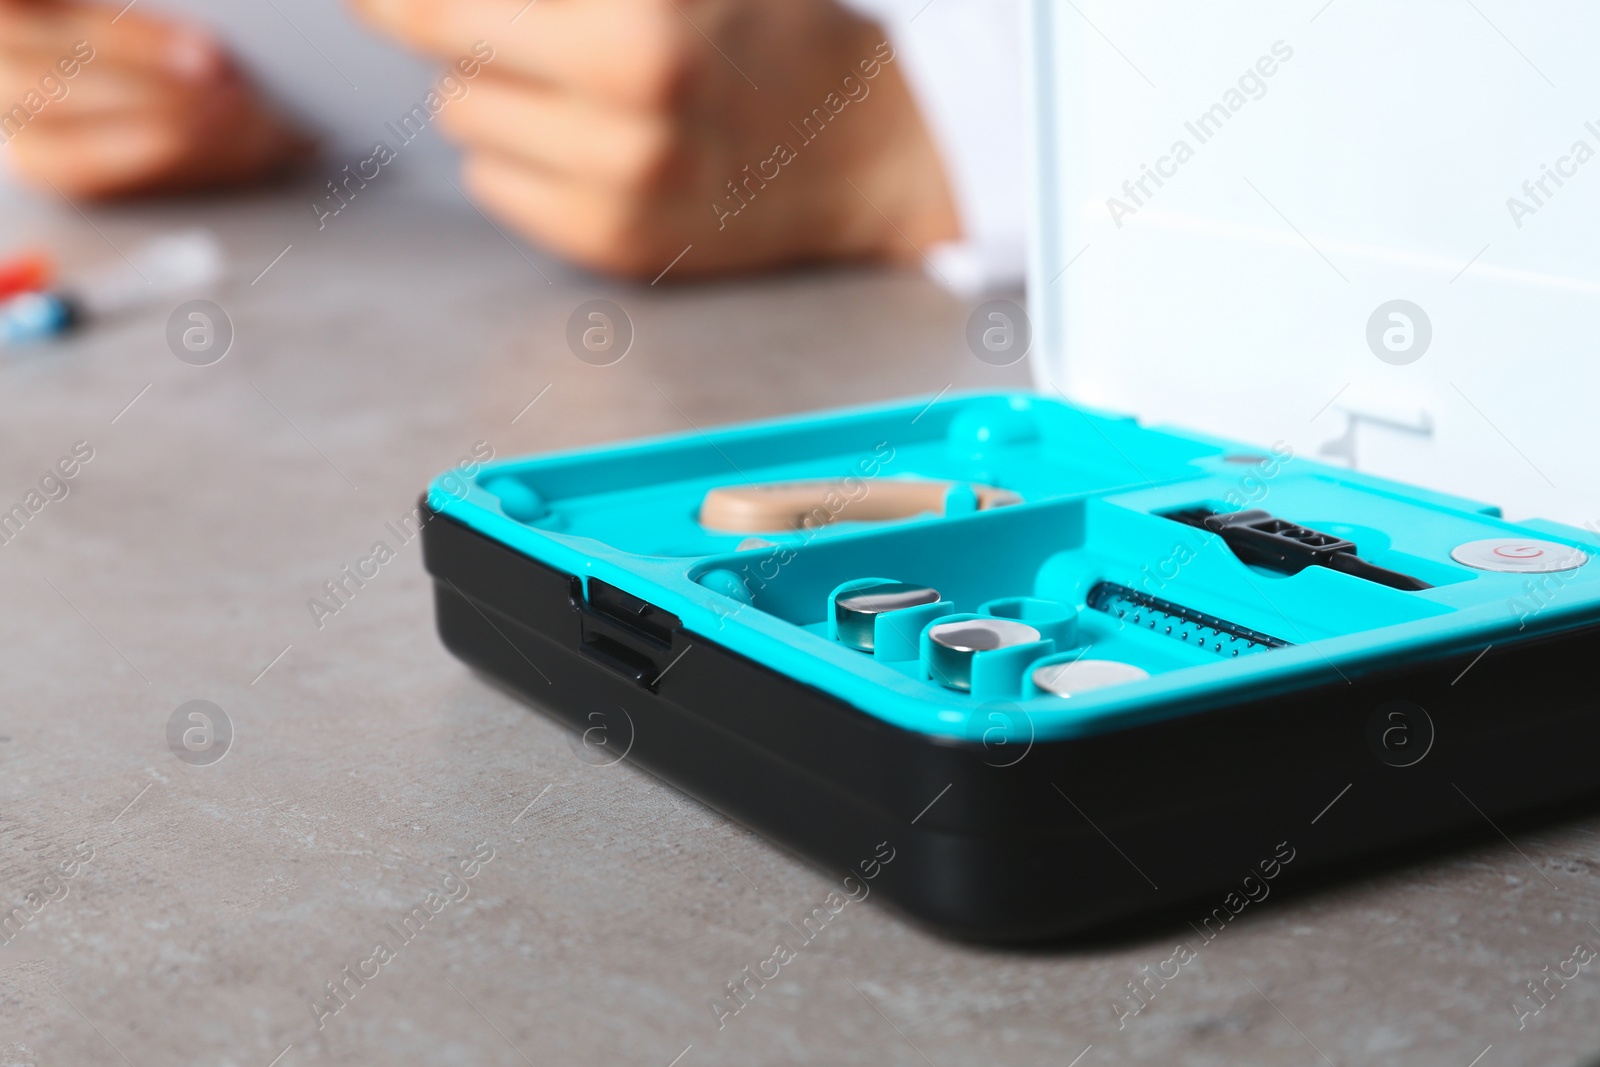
<point x="1373" y="164"/>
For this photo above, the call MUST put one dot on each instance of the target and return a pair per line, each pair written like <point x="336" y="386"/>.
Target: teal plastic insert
<point x="1094" y="490"/>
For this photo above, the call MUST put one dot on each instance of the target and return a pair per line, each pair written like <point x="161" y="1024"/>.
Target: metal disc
<point x="1080" y="676"/>
<point x="953" y="644"/>
<point x="855" y="613"/>
<point x="982" y="635"/>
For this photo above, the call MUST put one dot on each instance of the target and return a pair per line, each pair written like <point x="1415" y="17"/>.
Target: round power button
<point x="1515" y="555"/>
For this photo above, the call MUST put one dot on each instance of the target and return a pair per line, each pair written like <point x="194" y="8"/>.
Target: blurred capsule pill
<point x="35" y="317"/>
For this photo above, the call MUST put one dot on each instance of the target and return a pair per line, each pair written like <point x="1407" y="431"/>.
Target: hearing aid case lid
<point x="1095" y="489"/>
<point x="1365" y="229"/>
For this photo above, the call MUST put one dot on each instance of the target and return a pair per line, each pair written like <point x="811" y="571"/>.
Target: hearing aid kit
<point x="1077" y="668"/>
<point x="1151" y="641"/>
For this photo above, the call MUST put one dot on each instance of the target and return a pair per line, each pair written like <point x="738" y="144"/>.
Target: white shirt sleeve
<point x="963" y="60"/>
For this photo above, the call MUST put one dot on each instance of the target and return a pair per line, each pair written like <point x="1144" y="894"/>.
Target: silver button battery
<point x="1082" y="675"/>
<point x="1519" y="555"/>
<point x="953" y="644"/>
<point x="856" y="613"/>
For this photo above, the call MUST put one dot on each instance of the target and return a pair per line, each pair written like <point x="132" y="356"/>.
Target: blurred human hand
<point x="618" y="132"/>
<point x="100" y="104"/>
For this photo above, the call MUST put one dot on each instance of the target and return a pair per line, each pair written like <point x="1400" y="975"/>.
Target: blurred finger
<point x="97" y="93"/>
<point x="216" y="138"/>
<point x="629" y="51"/>
<point x="565" y="133"/>
<point x="599" y="229"/>
<point x="101" y="158"/>
<point x="51" y="35"/>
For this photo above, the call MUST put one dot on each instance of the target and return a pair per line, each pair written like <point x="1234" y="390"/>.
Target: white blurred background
<point x="1372" y="165"/>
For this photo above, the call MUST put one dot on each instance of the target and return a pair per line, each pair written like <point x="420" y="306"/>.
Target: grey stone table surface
<point x="164" y="913"/>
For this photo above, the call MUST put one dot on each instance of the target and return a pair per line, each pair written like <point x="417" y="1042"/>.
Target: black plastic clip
<point x="630" y="636"/>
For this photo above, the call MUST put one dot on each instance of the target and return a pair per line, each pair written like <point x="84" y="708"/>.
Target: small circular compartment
<point x="856" y="612"/>
<point x="952" y="645"/>
<point x="1053" y="619"/>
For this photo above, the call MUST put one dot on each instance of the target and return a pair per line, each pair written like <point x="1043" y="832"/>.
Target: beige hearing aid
<point x="770" y="506"/>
